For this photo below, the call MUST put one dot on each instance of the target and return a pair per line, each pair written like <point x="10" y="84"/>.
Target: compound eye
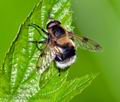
<point x="58" y="31"/>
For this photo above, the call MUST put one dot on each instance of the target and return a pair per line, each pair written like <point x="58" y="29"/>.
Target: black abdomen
<point x="68" y="52"/>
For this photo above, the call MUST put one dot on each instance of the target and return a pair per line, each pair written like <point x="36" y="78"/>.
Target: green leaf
<point x="19" y="79"/>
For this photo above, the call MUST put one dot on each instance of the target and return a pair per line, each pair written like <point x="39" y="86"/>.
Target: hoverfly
<point x="60" y="46"/>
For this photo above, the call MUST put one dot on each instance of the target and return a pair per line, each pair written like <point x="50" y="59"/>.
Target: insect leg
<point x="59" y="70"/>
<point x="43" y="51"/>
<point x="37" y="28"/>
<point x="38" y="42"/>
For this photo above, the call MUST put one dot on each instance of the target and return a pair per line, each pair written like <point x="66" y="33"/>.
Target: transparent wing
<point x="87" y="44"/>
<point x="45" y="59"/>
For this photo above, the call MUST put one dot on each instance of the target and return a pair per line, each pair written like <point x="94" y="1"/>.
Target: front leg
<point x="38" y="42"/>
<point x="37" y="27"/>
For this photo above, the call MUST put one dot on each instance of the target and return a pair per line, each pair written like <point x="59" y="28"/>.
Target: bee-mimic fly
<point x="60" y="46"/>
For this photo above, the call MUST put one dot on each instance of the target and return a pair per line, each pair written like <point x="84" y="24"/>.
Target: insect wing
<point x="87" y="44"/>
<point x="45" y="60"/>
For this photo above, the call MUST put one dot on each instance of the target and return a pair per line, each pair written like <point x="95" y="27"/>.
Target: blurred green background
<point x="97" y="19"/>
